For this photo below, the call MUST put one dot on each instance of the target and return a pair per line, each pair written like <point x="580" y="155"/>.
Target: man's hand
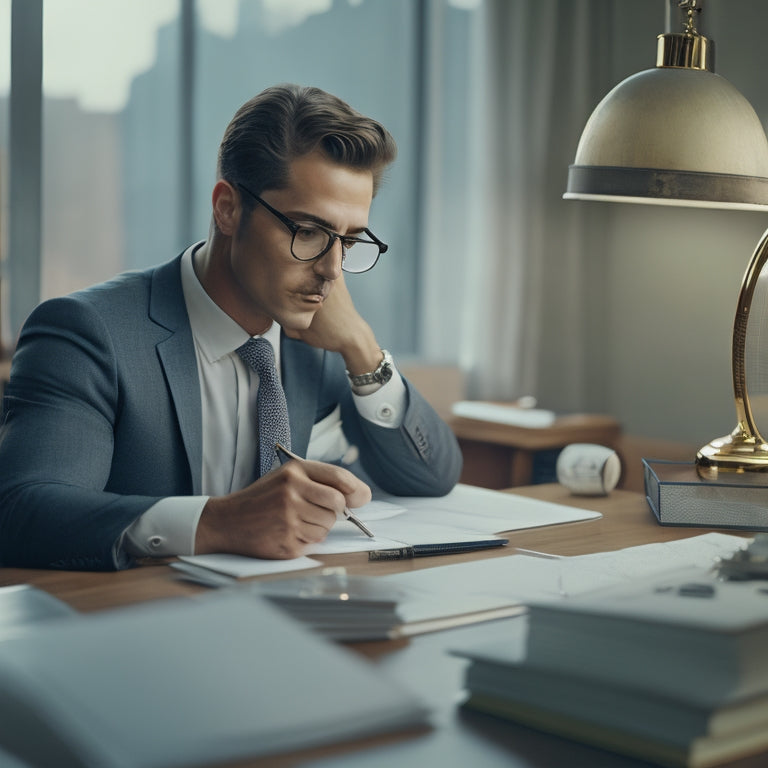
<point x="338" y="327"/>
<point x="283" y="511"/>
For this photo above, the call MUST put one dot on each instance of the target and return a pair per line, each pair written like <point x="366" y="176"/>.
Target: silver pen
<point x="284" y="455"/>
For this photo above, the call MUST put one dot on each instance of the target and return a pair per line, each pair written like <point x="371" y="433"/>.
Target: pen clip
<point x="283" y="454"/>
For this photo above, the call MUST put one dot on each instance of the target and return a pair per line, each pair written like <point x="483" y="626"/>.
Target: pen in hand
<point x="285" y="455"/>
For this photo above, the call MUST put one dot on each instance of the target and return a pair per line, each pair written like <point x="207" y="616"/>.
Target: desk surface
<point x="458" y="738"/>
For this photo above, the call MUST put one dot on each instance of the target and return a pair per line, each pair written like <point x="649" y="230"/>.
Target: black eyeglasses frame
<point x="293" y="227"/>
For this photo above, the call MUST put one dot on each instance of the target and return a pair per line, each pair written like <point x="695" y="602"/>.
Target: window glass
<point x="109" y="169"/>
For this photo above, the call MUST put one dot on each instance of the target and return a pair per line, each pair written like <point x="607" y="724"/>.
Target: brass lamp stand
<point x="745" y="449"/>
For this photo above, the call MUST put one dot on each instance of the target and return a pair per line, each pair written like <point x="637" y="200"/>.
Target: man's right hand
<point x="281" y="513"/>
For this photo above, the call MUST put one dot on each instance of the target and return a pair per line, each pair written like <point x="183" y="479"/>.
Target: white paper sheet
<point x="482" y="510"/>
<point x="529" y="577"/>
<point x="467" y="513"/>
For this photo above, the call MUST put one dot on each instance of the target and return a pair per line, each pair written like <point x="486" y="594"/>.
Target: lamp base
<point x="737" y="452"/>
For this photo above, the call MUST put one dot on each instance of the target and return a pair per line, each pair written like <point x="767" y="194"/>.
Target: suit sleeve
<point x="421" y="457"/>
<point x="56" y="445"/>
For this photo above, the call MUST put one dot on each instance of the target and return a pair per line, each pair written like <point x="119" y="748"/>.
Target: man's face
<point x="268" y="283"/>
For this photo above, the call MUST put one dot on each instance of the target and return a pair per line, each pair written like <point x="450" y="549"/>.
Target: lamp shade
<point x="673" y="135"/>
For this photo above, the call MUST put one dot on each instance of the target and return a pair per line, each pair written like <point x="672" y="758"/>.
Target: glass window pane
<point x="109" y="166"/>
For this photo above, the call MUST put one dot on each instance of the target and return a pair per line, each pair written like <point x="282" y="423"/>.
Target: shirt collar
<point x="215" y="332"/>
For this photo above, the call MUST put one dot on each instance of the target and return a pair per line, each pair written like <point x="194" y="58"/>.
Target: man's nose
<point x="329" y="264"/>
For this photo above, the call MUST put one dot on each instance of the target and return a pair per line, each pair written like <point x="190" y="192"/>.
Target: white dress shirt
<point x="228" y="393"/>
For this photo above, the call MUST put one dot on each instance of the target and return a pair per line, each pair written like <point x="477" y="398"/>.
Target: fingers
<point x="281" y="513"/>
<point x="354" y="491"/>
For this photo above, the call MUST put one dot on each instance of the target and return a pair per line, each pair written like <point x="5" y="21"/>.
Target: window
<point x="109" y="129"/>
<point x="136" y="97"/>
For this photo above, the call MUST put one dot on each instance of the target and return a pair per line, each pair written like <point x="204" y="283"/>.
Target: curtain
<point x="510" y="276"/>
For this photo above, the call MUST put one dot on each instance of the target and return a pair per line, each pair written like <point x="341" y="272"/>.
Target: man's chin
<point x="296" y="323"/>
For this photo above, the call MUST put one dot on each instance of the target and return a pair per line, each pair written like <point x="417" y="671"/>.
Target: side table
<point x="501" y="456"/>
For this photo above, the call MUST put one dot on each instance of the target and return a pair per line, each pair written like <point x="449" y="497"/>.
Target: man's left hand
<point x="338" y="327"/>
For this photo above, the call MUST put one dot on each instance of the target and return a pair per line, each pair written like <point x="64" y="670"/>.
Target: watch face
<point x="386" y="373"/>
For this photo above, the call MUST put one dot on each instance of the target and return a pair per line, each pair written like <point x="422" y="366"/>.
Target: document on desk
<point x="466" y="514"/>
<point x="524" y="578"/>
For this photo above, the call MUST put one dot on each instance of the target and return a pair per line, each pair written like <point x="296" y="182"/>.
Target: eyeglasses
<point x="311" y="241"/>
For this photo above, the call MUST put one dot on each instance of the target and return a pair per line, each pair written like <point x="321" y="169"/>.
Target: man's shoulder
<point x="130" y="284"/>
<point x="126" y="295"/>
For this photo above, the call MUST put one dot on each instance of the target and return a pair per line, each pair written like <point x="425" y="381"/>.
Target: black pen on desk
<point x="428" y="550"/>
<point x="285" y="455"/>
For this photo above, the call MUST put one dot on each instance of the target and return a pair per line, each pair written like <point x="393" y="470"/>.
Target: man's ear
<point x="226" y="207"/>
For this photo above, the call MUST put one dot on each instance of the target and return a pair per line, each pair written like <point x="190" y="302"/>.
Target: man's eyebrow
<point x="304" y="216"/>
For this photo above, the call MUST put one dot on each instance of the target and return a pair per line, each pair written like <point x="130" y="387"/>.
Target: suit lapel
<point x="177" y="356"/>
<point x="301" y="368"/>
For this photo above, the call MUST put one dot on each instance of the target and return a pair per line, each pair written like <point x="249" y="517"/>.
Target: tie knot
<point x="259" y="355"/>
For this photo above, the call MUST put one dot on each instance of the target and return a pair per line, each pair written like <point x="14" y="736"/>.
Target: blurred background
<point x="108" y="143"/>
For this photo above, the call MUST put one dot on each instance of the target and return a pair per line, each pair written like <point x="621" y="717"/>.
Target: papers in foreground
<point x="467" y="513"/>
<point x="185" y="683"/>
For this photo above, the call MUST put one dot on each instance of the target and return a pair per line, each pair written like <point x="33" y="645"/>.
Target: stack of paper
<point x="355" y="608"/>
<point x="671" y="669"/>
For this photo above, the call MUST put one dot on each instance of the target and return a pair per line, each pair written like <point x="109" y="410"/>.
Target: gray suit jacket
<point x="103" y="419"/>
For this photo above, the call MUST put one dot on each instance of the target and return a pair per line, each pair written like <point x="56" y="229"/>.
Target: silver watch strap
<point x="382" y="374"/>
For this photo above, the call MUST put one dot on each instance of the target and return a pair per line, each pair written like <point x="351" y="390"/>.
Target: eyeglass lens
<point x="310" y="242"/>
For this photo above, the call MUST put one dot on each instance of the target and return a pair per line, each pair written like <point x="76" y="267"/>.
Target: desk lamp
<point x="679" y="134"/>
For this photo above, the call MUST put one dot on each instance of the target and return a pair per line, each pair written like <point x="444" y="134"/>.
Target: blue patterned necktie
<point x="270" y="401"/>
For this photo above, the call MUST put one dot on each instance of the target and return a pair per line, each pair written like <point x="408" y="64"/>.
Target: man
<point x="134" y="424"/>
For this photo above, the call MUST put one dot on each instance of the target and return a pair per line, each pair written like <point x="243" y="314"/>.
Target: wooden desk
<point x="459" y="738"/>
<point x="501" y="456"/>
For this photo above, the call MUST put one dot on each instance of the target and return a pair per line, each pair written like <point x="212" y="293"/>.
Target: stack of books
<point x="673" y="670"/>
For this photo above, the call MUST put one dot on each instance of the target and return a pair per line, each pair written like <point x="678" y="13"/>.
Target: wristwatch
<point x="380" y="376"/>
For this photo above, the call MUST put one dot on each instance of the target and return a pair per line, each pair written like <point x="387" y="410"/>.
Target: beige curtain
<point x="509" y="267"/>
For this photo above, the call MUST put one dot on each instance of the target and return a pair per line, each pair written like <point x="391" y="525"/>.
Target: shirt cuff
<point x="382" y="404"/>
<point x="166" y="529"/>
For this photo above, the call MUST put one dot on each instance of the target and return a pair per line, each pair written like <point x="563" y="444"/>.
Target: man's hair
<point x="286" y="122"/>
